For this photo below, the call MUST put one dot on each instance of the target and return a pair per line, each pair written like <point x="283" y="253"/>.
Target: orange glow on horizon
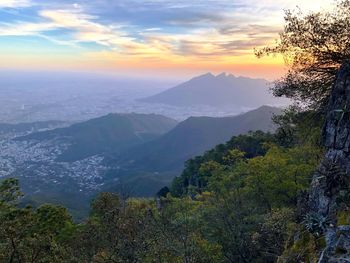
<point x="269" y="68"/>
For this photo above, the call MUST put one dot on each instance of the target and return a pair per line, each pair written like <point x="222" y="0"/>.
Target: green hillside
<point x="194" y="136"/>
<point x="105" y="135"/>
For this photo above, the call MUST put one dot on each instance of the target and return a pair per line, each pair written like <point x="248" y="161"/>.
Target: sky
<point x="160" y="38"/>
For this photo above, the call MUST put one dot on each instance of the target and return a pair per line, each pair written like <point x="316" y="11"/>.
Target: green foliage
<point x="115" y="231"/>
<point x="276" y="178"/>
<point x="272" y="235"/>
<point x="343" y="217"/>
<point x="301" y="246"/>
<point x="249" y="198"/>
<point x="236" y="203"/>
<point x="29" y="235"/>
<point x="298" y="127"/>
<point x="198" y="170"/>
<point x="9" y="191"/>
<point x="178" y="227"/>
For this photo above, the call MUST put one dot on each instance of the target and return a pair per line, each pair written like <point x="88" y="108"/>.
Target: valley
<point x="74" y="135"/>
<point x="141" y="152"/>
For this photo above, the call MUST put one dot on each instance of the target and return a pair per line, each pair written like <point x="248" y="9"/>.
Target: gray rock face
<point x="334" y="169"/>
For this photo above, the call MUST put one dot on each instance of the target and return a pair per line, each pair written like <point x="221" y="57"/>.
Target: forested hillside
<point x="193" y="137"/>
<point x="236" y="203"/>
<point x="108" y="134"/>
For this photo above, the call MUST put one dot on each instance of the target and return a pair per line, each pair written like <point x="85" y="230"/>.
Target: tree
<point x="270" y="239"/>
<point x="179" y="230"/>
<point x="298" y="127"/>
<point x="313" y="46"/>
<point x="9" y="191"/>
<point x="194" y="177"/>
<point x="115" y="231"/>
<point x="163" y="192"/>
<point x="276" y="179"/>
<point x="28" y="235"/>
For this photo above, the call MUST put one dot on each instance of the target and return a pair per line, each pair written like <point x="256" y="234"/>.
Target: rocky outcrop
<point x="334" y="172"/>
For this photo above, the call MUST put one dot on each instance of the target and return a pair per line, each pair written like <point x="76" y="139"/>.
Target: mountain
<point x="217" y="91"/>
<point x="107" y="134"/>
<point x="136" y="153"/>
<point x="194" y="136"/>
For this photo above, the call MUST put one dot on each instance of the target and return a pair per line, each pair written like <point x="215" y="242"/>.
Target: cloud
<point x="286" y="4"/>
<point x="24" y="29"/>
<point x="86" y="29"/>
<point x="15" y="3"/>
<point x="83" y="27"/>
<point x="197" y="19"/>
<point x="226" y="35"/>
<point x="178" y="29"/>
<point x="153" y="29"/>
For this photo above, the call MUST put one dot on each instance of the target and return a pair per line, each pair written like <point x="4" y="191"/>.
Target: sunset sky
<point x="170" y="38"/>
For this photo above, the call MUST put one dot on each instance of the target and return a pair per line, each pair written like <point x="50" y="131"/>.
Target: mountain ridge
<point x="109" y="133"/>
<point x="194" y="136"/>
<point x="223" y="90"/>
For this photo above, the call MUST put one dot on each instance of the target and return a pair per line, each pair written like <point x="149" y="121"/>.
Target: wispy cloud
<point x="24" y="29"/>
<point x="218" y="39"/>
<point x="152" y="30"/>
<point x="15" y="3"/>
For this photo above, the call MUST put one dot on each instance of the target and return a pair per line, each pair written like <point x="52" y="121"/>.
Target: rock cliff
<point x="332" y="178"/>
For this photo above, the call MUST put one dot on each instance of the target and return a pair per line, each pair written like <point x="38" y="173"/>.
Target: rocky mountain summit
<point x="220" y="91"/>
<point x="330" y="183"/>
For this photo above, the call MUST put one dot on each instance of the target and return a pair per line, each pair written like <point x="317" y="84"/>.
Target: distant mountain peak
<point x="220" y="91"/>
<point x="206" y="75"/>
<point x="222" y="75"/>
